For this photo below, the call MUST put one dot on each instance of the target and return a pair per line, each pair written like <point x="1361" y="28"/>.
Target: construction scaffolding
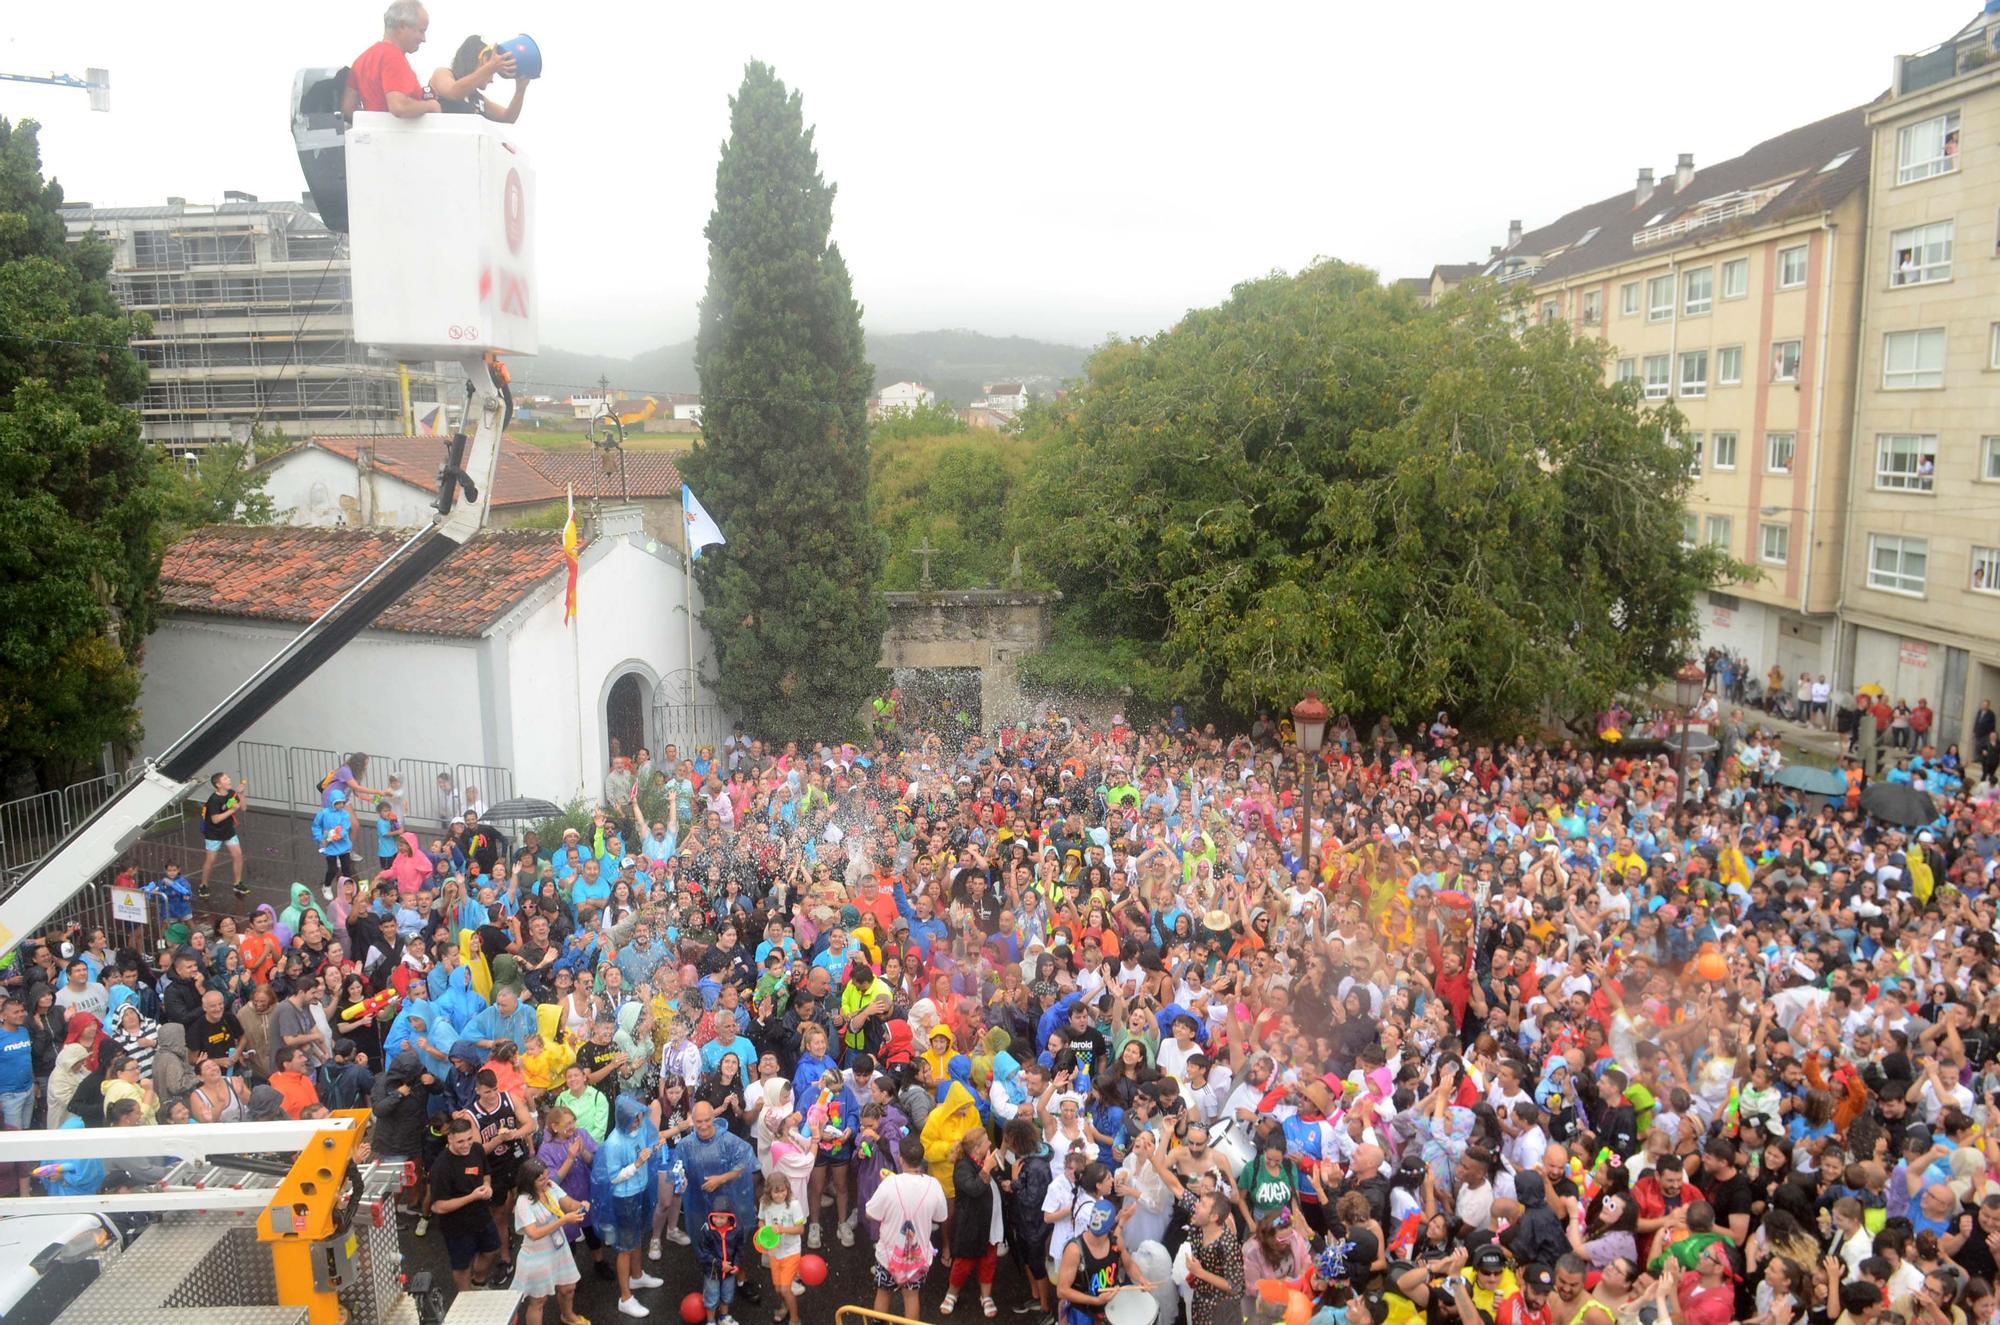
<point x="253" y="316"/>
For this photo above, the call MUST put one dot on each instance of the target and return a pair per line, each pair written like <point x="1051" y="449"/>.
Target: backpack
<point x="909" y="1255"/>
<point x="327" y="781"/>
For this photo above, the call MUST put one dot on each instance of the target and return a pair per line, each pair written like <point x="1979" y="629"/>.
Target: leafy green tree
<point x="222" y="486"/>
<point x="1320" y="484"/>
<point x="80" y="494"/>
<point x="934" y="420"/>
<point x="956" y="494"/>
<point x="790" y="601"/>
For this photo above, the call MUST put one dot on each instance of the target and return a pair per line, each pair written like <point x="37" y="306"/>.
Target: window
<point x="1698" y="291"/>
<point x="1838" y="161"/>
<point x="1690" y="529"/>
<point x="1692" y="444"/>
<point x="1993" y="347"/>
<point x="1718" y="531"/>
<point x="1628" y="370"/>
<point x="1913" y="359"/>
<point x="1774" y="543"/>
<point x="1548" y="311"/>
<point x="1694" y="373"/>
<point x="1920" y="254"/>
<point x="1628" y="298"/>
<point x="1778" y="449"/>
<point x="1897" y="564"/>
<point x="1905" y="462"/>
<point x="1785" y="360"/>
<point x="1729" y="366"/>
<point x="1989" y="460"/>
<point x="1927" y="148"/>
<point x="1659" y="298"/>
<point x="1724" y="456"/>
<point x="1593" y="307"/>
<point x="1736" y="278"/>
<point x="1986" y="569"/>
<point x="1791" y="267"/>
<point x="1658" y="366"/>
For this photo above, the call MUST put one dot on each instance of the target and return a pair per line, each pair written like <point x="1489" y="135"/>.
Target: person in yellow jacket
<point x="545" y="1057"/>
<point x="956" y="1112"/>
<point x="939" y="1051"/>
<point x="1730" y="865"/>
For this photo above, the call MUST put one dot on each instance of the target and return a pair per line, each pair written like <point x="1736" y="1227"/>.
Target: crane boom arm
<point x="465" y="491"/>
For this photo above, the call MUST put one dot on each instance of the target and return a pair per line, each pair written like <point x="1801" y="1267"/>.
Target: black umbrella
<point x="1898" y="803"/>
<point x="523" y="807"/>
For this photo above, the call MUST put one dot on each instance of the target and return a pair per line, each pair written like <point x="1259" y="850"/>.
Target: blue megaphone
<point x="527" y="55"/>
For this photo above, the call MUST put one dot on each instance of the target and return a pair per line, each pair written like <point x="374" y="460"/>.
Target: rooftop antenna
<point x="97" y="82"/>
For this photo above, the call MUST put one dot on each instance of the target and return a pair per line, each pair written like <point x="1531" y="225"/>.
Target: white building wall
<point x="407" y="696"/>
<point x="1907" y="668"/>
<point x="559" y="674"/>
<point x="317" y="489"/>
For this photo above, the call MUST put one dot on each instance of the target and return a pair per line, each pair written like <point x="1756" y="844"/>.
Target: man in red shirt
<point x="381" y="78"/>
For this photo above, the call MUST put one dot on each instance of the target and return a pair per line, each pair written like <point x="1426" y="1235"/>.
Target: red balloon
<point x="692" y="1310"/>
<point x="812" y="1270"/>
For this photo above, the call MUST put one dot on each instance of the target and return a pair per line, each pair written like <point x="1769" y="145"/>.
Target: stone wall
<point x="988" y="629"/>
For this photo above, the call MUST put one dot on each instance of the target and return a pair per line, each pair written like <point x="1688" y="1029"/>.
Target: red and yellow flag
<point x="569" y="560"/>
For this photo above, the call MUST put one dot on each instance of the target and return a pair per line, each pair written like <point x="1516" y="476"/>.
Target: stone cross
<point x="926" y="551"/>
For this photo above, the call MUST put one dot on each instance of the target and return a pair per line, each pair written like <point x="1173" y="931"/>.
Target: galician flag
<point x="569" y="559"/>
<point x="702" y="530"/>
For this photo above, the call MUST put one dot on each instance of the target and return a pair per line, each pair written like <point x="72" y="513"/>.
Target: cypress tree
<point x="790" y="601"/>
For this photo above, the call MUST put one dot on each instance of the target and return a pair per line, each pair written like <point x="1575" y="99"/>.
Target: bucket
<point x="527" y="55"/>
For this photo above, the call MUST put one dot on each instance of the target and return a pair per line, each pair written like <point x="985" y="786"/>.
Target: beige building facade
<point x="1921" y="591"/>
<point x="1733" y="292"/>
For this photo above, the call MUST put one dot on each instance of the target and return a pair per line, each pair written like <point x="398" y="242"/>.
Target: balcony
<point x="1519" y="271"/>
<point x="1969" y="50"/>
<point x="1714" y="211"/>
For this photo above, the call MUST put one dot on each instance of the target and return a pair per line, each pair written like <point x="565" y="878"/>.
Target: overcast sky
<point x="1053" y="170"/>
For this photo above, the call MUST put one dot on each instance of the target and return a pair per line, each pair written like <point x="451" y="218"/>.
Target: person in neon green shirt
<point x="587" y="1102"/>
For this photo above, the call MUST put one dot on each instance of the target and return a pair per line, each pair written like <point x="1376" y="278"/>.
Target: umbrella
<point x="1870" y="689"/>
<point x="1813" y="781"/>
<point x="1898" y="803"/>
<point x="523" y="807"/>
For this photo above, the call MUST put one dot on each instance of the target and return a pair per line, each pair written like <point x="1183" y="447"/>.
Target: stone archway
<point x="941" y="636"/>
<point x="624" y="709"/>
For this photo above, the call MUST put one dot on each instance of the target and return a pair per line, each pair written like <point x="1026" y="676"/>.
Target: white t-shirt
<point x="1061" y="1199"/>
<point x="915" y="1198"/>
<point x="783" y="1213"/>
<point x="1172" y="1059"/>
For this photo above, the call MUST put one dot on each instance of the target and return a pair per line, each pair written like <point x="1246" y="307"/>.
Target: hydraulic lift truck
<point x="281" y="1223"/>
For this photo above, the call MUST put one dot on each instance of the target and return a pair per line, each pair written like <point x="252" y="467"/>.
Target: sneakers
<point x="645" y="1281"/>
<point x="653" y="1250"/>
<point x="241" y="890"/>
<point x="845" y="1232"/>
<point x="423" y="1225"/>
<point x="950" y="1302"/>
<point x="678" y="1236"/>
<point x="813" y="1237"/>
<point x="629" y="1306"/>
<point x="1028" y="1308"/>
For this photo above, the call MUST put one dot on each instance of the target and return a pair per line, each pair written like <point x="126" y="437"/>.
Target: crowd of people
<point x="1532" y="1035"/>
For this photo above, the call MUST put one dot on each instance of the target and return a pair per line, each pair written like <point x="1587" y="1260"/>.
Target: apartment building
<point x="253" y="321"/>
<point x="1922" y="567"/>
<point x="1733" y="292"/>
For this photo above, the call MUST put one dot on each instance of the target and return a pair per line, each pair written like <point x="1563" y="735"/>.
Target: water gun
<point x="369" y="1006"/>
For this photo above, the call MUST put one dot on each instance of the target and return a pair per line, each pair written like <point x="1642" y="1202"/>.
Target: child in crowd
<point x="781" y="1211"/>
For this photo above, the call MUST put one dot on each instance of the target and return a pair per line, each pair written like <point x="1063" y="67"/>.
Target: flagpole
<point x="687" y="595"/>
<point x="576" y="672"/>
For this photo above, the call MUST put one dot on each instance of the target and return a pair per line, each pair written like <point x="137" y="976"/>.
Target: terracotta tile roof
<point x="647" y="473"/>
<point x="415" y="460"/>
<point x="279" y="573"/>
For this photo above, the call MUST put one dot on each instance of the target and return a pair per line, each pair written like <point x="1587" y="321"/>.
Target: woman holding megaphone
<point x="461" y="88"/>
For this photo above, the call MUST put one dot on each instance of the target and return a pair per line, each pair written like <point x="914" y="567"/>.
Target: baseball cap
<point x="1489" y="1259"/>
<point x="1538" y="1278"/>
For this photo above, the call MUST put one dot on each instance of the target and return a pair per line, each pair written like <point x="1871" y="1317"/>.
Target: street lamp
<point x="1309" y="718"/>
<point x="1689" y="682"/>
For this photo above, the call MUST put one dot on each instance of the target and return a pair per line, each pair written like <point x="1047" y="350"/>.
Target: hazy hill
<point x="955" y="364"/>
